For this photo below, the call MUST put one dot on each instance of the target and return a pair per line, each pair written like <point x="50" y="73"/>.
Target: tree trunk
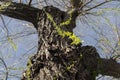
<point x="57" y="58"/>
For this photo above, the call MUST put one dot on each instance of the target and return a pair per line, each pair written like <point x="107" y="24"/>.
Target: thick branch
<point x="20" y="11"/>
<point x="75" y="3"/>
<point x="109" y="67"/>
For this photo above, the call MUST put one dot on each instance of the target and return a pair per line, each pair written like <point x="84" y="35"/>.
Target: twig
<point x="97" y="5"/>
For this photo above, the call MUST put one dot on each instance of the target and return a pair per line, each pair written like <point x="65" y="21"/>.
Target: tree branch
<point x="20" y="11"/>
<point x="98" y="5"/>
<point x="30" y="1"/>
<point x="109" y="67"/>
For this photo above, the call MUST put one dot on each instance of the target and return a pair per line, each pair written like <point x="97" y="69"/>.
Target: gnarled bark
<point x="57" y="58"/>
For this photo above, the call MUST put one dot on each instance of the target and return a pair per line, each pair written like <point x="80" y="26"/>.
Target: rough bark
<point x="57" y="58"/>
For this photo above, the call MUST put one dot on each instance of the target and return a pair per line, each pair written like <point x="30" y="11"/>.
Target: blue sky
<point x="26" y="45"/>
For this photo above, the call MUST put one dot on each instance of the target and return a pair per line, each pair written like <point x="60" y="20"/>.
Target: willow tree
<point x="60" y="54"/>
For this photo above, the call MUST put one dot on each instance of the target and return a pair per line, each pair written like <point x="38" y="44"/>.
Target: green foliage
<point x="70" y="35"/>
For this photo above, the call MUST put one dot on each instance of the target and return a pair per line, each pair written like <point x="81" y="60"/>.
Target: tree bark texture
<point x="57" y="58"/>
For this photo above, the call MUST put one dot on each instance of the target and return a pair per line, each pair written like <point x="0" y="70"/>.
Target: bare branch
<point x="21" y="11"/>
<point x="97" y="5"/>
<point x="30" y="1"/>
<point x="109" y="67"/>
<point x="5" y="68"/>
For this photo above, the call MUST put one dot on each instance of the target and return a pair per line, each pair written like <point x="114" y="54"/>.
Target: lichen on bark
<point x="57" y="58"/>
